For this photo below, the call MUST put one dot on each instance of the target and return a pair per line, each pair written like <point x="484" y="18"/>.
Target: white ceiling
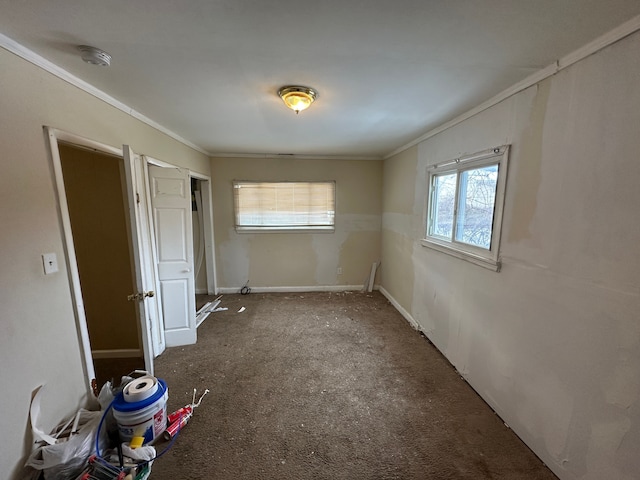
<point x="386" y="71"/>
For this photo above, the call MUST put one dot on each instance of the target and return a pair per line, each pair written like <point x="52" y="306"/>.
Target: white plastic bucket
<point x="146" y="418"/>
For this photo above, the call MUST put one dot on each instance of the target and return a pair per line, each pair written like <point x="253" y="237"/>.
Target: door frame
<point x="207" y="226"/>
<point x="207" y="214"/>
<point x="54" y="136"/>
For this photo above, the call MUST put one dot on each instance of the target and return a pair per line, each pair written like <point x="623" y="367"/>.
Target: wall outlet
<point x="339" y="270"/>
<point x="50" y="263"/>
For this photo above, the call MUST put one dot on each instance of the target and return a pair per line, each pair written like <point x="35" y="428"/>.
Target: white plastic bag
<point x="68" y="456"/>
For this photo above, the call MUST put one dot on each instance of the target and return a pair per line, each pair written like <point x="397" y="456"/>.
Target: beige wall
<point x="38" y="335"/>
<point x="302" y="259"/>
<point x="399" y="233"/>
<point x="552" y="342"/>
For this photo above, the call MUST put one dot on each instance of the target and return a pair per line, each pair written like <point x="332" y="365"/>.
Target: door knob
<point x="141" y="296"/>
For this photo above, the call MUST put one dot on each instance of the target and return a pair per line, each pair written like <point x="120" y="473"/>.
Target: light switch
<point x="50" y="262"/>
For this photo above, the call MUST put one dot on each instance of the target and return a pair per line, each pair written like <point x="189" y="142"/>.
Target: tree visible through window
<point x="475" y="206"/>
<point x="465" y="204"/>
<point x="284" y="205"/>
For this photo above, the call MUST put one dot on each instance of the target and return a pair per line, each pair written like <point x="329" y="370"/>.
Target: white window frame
<point x="305" y="228"/>
<point x="486" y="258"/>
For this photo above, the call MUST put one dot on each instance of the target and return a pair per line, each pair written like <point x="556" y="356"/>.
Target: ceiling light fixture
<point x="94" y="56"/>
<point x="297" y="98"/>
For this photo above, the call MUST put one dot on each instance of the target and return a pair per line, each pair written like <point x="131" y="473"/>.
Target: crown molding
<point x="295" y="156"/>
<point x="609" y="38"/>
<point x="39" y="61"/>
<point x="603" y="41"/>
<point x="518" y="87"/>
<point x="613" y="36"/>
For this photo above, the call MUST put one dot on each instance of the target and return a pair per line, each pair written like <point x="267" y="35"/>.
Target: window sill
<point x="488" y="263"/>
<point x="285" y="230"/>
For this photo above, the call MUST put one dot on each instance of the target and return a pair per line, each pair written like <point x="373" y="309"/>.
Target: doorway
<point x="95" y="192"/>
<point x="111" y="195"/>
<point x="204" y="262"/>
<point x="200" y="273"/>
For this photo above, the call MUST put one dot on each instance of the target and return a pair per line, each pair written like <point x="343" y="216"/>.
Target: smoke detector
<point x="94" y="56"/>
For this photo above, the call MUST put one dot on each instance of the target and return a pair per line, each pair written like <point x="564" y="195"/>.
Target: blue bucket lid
<point x="121" y="405"/>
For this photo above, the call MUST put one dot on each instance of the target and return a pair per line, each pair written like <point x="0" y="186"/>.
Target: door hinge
<point x="137" y="198"/>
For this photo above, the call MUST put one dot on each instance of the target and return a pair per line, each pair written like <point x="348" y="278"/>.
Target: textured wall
<point x="399" y="233"/>
<point x="552" y="342"/>
<point x="299" y="259"/>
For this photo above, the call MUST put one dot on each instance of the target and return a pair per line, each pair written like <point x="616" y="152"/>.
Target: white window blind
<point x="265" y="206"/>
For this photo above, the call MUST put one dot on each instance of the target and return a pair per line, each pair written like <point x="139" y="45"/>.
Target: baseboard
<point x="117" y="353"/>
<point x="407" y="316"/>
<point x="300" y="289"/>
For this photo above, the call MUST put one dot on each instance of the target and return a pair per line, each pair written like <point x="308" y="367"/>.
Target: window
<point x="284" y="206"/>
<point x="464" y="207"/>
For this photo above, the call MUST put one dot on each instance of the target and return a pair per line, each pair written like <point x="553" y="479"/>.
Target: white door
<point x="170" y="192"/>
<point x="144" y="296"/>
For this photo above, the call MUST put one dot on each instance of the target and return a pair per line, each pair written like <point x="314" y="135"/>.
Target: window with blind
<point x="284" y="206"/>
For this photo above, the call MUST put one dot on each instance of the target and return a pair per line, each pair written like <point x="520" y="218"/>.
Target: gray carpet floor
<point x="328" y="386"/>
